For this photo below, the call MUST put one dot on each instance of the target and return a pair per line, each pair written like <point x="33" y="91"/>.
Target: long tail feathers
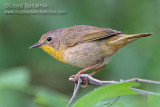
<point x="122" y="40"/>
<point x="140" y="35"/>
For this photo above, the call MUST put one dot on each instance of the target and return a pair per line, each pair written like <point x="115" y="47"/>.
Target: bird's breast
<point x="84" y="55"/>
<point x="54" y="53"/>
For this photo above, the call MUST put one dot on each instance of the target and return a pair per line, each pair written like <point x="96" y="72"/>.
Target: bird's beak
<point x="35" y="45"/>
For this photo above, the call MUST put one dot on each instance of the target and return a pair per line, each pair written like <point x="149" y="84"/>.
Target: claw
<point x="74" y="78"/>
<point x="71" y="78"/>
<point x="85" y="80"/>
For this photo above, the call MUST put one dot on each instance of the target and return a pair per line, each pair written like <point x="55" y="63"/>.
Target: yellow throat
<point x="55" y="53"/>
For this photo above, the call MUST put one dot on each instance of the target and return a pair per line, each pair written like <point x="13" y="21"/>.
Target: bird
<point x="87" y="47"/>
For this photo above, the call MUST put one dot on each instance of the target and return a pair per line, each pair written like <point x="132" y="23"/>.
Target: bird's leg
<point x="97" y="70"/>
<point x="86" y="79"/>
<point x="86" y="69"/>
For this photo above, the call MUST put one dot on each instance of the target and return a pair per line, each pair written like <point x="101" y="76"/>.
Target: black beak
<point x="35" y="45"/>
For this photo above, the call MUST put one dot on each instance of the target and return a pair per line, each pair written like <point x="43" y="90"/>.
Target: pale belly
<point x="85" y="55"/>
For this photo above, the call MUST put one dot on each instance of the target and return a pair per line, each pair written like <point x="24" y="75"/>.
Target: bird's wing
<point x="81" y="34"/>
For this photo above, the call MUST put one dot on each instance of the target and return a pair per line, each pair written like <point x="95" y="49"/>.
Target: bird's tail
<point x="136" y="36"/>
<point x="121" y="40"/>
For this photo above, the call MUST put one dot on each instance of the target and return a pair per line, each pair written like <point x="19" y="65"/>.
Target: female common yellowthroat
<point x="85" y="46"/>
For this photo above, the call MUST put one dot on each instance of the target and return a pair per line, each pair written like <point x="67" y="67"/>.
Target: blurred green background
<point x="31" y="78"/>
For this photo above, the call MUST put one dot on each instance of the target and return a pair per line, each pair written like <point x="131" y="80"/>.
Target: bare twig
<point x="143" y="92"/>
<point x="93" y="81"/>
<point x="76" y="89"/>
<point x="143" y="80"/>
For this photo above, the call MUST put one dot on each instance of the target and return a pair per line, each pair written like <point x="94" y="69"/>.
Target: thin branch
<point x="143" y="92"/>
<point x="76" y="89"/>
<point x="143" y="80"/>
<point x="93" y="81"/>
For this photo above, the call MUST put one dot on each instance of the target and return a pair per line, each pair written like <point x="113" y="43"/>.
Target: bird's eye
<point x="49" y="39"/>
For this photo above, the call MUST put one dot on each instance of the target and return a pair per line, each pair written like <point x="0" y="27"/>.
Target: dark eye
<point x="49" y="39"/>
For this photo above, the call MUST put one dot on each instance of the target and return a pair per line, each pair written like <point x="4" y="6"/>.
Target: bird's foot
<point x="76" y="78"/>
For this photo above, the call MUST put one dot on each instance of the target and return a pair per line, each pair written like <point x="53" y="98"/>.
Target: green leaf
<point x="108" y="91"/>
<point x="16" y="78"/>
<point x="46" y="97"/>
<point x="154" y="100"/>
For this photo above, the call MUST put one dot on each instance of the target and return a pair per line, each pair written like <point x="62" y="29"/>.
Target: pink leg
<point x="86" y="79"/>
<point x="97" y="70"/>
<point x="86" y="69"/>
